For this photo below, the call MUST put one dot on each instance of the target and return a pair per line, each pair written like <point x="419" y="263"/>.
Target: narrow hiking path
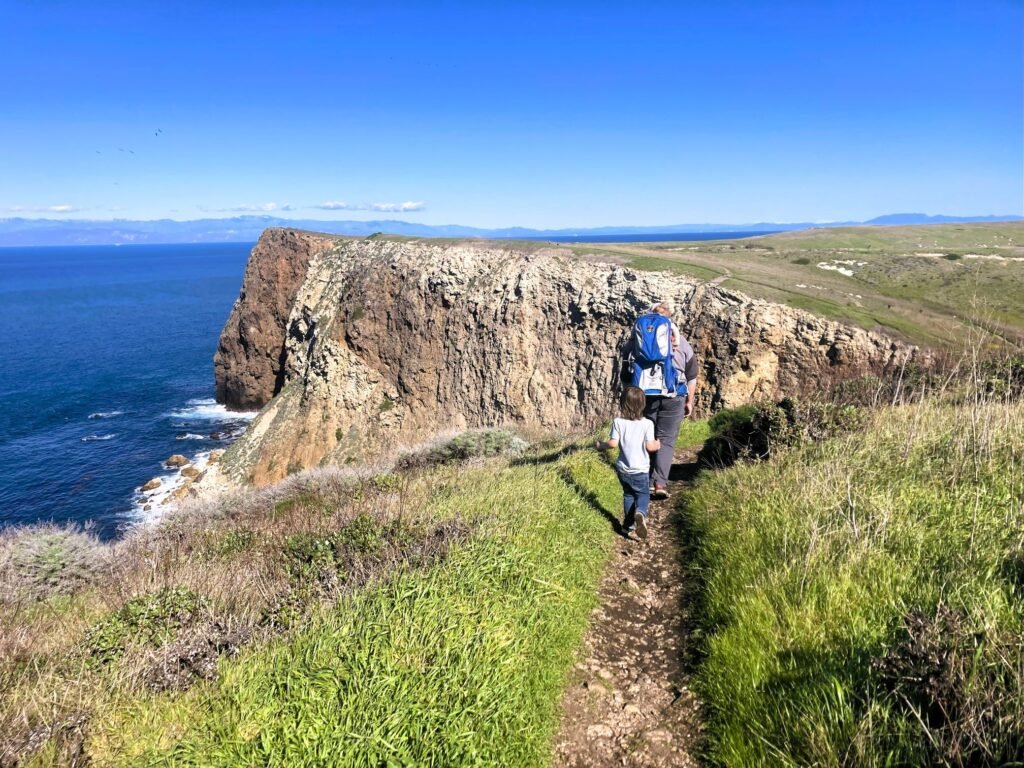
<point x="629" y="701"/>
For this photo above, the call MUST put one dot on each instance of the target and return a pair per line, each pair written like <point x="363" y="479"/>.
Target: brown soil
<point x="629" y="701"/>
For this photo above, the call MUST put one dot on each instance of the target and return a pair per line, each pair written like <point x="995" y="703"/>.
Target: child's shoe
<point x="641" y="525"/>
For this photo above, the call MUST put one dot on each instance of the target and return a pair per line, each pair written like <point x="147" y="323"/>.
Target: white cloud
<point x="258" y="208"/>
<point x="398" y="207"/>
<point x="338" y="205"/>
<point x="45" y="209"/>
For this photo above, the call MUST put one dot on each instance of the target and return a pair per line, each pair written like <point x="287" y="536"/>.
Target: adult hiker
<point x="663" y="365"/>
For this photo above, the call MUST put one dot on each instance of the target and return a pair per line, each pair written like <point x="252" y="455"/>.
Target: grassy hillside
<point x="863" y="597"/>
<point x="927" y="284"/>
<point x="422" y="618"/>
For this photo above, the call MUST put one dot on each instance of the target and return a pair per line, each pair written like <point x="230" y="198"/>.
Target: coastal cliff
<point x="358" y="345"/>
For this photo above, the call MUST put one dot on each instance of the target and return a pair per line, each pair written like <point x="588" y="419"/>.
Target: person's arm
<point x="690" y="372"/>
<point x="612" y="442"/>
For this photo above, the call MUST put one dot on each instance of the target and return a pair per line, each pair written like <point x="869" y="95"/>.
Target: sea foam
<point x="208" y="409"/>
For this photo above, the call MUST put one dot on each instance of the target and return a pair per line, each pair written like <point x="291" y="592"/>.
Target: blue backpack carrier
<point x="653" y="369"/>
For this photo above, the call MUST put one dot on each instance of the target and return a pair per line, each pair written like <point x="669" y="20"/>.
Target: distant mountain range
<point x="19" y="231"/>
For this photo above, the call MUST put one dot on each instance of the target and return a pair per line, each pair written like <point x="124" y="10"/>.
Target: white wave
<point x="94" y="438"/>
<point x="190" y="436"/>
<point x="105" y="414"/>
<point x="159" y="499"/>
<point x="208" y="409"/>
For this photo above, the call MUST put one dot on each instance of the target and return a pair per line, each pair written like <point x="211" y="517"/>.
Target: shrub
<point x="754" y="431"/>
<point x="387" y="483"/>
<point x="234" y="542"/>
<point x="309" y="556"/>
<point x="474" y="444"/>
<point x="362" y="535"/>
<point x="39" y="562"/>
<point x="802" y="260"/>
<point x="308" y="501"/>
<point x="148" y="620"/>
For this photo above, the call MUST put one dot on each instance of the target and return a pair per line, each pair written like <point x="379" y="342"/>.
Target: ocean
<point x="106" y="369"/>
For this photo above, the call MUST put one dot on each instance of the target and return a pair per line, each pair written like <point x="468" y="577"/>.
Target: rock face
<point x="248" y="363"/>
<point x="360" y="345"/>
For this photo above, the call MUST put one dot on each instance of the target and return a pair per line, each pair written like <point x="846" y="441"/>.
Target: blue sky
<point x="496" y="114"/>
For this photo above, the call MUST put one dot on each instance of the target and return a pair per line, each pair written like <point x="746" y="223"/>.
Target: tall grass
<point x="462" y="664"/>
<point x="341" y="618"/>
<point x="862" y="598"/>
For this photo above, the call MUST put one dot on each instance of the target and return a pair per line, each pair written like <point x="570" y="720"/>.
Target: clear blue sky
<point x="492" y="114"/>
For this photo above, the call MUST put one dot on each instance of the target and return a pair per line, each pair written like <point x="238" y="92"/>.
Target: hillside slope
<point x="931" y="285"/>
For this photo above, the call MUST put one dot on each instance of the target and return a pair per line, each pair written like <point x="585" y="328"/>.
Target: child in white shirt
<point x="633" y="435"/>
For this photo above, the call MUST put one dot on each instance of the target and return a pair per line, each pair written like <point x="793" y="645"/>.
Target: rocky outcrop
<point x="359" y="345"/>
<point x="248" y="362"/>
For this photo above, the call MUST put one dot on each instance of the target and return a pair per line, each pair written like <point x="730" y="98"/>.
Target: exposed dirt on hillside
<point x="629" y="702"/>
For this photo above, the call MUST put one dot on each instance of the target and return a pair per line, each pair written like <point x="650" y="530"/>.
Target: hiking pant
<point x="667" y="414"/>
<point x="636" y="496"/>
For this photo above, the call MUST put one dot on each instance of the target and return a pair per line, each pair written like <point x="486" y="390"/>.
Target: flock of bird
<point x="156" y="133"/>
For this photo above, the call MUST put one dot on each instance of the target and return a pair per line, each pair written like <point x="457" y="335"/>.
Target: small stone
<point x="152" y="485"/>
<point x="631" y="709"/>
<point x="658" y="736"/>
<point x="600" y="731"/>
<point x="605" y="674"/>
<point x="177" y="460"/>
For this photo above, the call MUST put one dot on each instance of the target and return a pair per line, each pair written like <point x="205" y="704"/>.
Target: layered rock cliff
<point x="356" y="346"/>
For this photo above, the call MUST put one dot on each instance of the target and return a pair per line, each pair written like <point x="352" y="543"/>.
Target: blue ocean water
<point x="106" y="369"/>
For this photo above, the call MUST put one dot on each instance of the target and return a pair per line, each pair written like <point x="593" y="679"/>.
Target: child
<point x="633" y="435"/>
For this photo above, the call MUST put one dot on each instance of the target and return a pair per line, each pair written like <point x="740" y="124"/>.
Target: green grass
<point x="656" y="264"/>
<point x="906" y="280"/>
<point x="462" y="664"/>
<point x="692" y="432"/>
<point x="862" y="598"/>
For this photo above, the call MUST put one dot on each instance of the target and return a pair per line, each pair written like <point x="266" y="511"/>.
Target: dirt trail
<point x="629" y="700"/>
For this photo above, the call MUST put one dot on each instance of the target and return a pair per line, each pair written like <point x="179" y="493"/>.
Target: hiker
<point x="633" y="435"/>
<point x="663" y="365"/>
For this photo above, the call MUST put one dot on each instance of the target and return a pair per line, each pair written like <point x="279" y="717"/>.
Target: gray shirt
<point x="632" y="437"/>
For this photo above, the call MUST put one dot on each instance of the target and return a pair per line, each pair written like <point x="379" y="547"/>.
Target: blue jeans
<point x="636" y="496"/>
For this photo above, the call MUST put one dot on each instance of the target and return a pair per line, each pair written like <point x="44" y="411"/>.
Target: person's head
<point x="662" y="308"/>
<point x="632" y="403"/>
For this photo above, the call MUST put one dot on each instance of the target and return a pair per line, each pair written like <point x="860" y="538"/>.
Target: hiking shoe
<point x="659" y="492"/>
<point x="641" y="525"/>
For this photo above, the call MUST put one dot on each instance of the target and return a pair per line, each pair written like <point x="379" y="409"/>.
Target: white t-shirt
<point x="632" y="436"/>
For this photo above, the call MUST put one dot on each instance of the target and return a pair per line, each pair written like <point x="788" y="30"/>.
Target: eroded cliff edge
<point x="359" y="345"/>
